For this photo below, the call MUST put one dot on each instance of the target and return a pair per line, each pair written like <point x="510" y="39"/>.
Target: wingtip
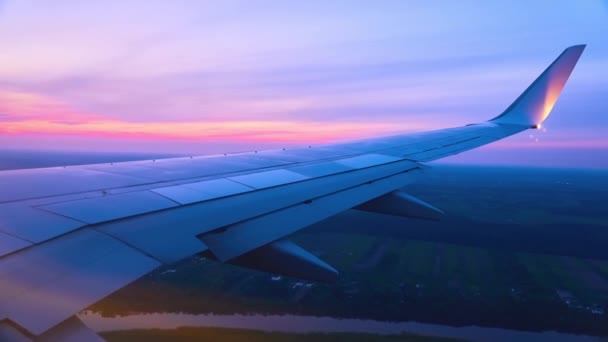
<point x="534" y="105"/>
<point x="578" y="46"/>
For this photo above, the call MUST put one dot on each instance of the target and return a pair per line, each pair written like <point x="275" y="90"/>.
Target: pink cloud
<point x="26" y="113"/>
<point x="19" y="106"/>
<point x="285" y="131"/>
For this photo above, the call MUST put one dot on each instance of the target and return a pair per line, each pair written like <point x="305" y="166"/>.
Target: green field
<point x="492" y="278"/>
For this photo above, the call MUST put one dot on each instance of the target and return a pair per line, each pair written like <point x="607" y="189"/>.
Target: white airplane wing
<point x="70" y="236"/>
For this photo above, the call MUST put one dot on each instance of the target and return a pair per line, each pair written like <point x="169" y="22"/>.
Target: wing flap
<point x="10" y="244"/>
<point x="32" y="224"/>
<point x="246" y="236"/>
<point x="43" y="286"/>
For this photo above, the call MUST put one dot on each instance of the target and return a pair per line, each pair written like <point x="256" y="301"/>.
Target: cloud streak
<point x="265" y="131"/>
<point x="294" y="72"/>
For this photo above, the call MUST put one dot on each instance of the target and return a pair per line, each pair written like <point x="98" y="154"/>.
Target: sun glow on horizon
<point x="265" y="131"/>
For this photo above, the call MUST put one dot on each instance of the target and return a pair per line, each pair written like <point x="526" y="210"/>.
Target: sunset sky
<point x="214" y="76"/>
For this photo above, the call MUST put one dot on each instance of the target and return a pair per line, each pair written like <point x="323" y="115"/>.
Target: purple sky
<point x="214" y="76"/>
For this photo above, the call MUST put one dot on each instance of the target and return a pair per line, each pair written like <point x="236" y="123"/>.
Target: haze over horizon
<point x="206" y="77"/>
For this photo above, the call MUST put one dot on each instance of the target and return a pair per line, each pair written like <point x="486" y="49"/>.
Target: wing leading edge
<point x="238" y="209"/>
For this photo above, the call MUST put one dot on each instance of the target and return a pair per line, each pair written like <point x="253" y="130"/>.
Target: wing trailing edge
<point x="534" y="105"/>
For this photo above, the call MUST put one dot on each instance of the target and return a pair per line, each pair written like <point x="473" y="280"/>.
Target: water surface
<point x="312" y="324"/>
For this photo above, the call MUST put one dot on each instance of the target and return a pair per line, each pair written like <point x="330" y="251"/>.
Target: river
<point x="306" y="324"/>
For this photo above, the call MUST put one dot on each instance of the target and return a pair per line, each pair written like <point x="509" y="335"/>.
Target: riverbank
<point x="245" y="335"/>
<point x="146" y="324"/>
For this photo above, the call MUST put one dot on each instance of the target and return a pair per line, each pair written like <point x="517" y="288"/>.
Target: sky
<point x="219" y="76"/>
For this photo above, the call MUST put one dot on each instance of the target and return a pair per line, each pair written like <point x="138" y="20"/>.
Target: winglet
<point x="533" y="106"/>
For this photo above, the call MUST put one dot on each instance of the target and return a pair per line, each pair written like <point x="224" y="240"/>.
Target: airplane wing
<point x="70" y="236"/>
